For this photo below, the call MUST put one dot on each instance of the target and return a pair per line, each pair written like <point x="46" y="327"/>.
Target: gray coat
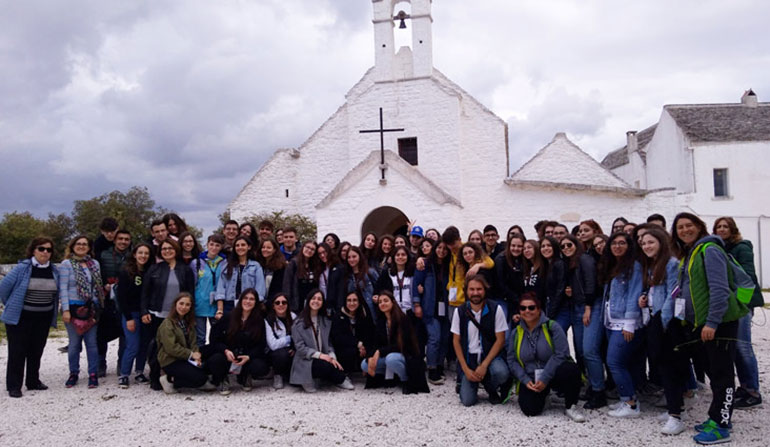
<point x="304" y="343"/>
<point x="548" y="358"/>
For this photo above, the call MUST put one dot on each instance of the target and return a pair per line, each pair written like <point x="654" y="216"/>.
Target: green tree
<point x="60" y="228"/>
<point x="306" y="228"/>
<point x="134" y="211"/>
<point x="16" y="231"/>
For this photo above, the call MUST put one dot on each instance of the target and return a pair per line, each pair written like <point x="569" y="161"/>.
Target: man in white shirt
<point x="479" y="336"/>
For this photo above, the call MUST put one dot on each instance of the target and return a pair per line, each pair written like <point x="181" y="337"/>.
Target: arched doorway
<point x="385" y="220"/>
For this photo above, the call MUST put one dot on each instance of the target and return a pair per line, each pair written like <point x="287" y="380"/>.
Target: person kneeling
<point x="315" y="359"/>
<point x="538" y="356"/>
<point x="178" y="353"/>
<point x="479" y="327"/>
<point x="238" y="345"/>
<point x="395" y="351"/>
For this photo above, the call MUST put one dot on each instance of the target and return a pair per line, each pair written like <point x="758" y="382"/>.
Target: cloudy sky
<point x="190" y="97"/>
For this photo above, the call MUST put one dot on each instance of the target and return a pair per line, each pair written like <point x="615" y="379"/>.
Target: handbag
<point x="84" y="318"/>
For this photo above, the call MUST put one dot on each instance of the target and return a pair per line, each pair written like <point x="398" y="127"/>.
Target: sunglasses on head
<point x="48" y="249"/>
<point x="530" y="308"/>
<point x="567" y="245"/>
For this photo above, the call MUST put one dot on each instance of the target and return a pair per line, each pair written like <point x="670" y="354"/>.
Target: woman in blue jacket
<point x="80" y="289"/>
<point x="622" y="279"/>
<point x="30" y="295"/>
<point x="242" y="272"/>
<point x="659" y="277"/>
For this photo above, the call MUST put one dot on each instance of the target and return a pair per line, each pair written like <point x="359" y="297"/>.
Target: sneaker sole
<point x="751" y="407"/>
<point x="718" y="441"/>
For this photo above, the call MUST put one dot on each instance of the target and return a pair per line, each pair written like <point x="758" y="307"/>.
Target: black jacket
<point x="509" y="281"/>
<point x="154" y="287"/>
<point x="243" y="343"/>
<point x="345" y="335"/>
<point x="129" y="292"/>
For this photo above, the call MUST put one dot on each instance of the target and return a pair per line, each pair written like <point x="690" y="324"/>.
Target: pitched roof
<point x="619" y="157"/>
<point x="563" y="164"/>
<point x="722" y="122"/>
<point x="395" y="162"/>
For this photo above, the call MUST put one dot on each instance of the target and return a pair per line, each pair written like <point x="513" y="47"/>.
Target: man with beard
<point x="479" y="327"/>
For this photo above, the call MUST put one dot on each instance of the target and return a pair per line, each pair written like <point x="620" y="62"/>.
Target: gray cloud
<point x="190" y="98"/>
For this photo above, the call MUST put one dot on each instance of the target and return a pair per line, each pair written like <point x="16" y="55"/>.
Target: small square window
<point x="407" y="149"/>
<point x="720" y="183"/>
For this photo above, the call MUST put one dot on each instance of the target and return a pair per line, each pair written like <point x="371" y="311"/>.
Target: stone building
<point x="449" y="165"/>
<point x="716" y="158"/>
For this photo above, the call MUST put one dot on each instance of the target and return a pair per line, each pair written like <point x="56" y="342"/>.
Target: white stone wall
<point x="633" y="172"/>
<point x="669" y="159"/>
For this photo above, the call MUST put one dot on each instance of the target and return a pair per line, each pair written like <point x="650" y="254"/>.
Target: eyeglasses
<point x="167" y="249"/>
<point x="531" y="307"/>
<point x="280" y="303"/>
<point x="619" y="243"/>
<point x="41" y="249"/>
<point x="81" y="244"/>
<point x="567" y="245"/>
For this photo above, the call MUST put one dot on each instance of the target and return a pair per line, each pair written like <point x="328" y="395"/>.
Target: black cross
<point x="381" y="131"/>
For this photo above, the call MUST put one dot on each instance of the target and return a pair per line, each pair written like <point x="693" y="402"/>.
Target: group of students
<point x="649" y="311"/>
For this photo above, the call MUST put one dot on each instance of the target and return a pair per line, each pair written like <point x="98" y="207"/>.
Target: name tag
<point x="453" y="295"/>
<point x="679" y="308"/>
<point x="538" y="374"/>
<point x="442" y="309"/>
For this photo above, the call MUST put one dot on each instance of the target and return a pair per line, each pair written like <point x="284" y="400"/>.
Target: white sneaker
<point x="575" y="414"/>
<point x="673" y="426"/>
<point x="248" y="384"/>
<point x="346" y="384"/>
<point x="615" y="406"/>
<point x="662" y="417"/>
<point x="309" y="387"/>
<point x="224" y="388"/>
<point x="168" y="387"/>
<point x="625" y="411"/>
<point x="277" y="381"/>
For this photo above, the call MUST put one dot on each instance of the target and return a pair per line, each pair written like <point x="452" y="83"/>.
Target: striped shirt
<point x="41" y="292"/>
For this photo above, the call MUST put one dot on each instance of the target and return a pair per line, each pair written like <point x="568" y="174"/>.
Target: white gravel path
<point x="140" y="417"/>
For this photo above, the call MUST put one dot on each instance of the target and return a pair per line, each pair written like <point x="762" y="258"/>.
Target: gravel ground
<point x="140" y="417"/>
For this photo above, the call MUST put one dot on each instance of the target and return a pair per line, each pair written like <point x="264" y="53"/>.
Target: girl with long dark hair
<point x="129" y="295"/>
<point x="509" y="274"/>
<point x="384" y="255"/>
<point x="621" y="276"/>
<point x="329" y="265"/>
<point x="178" y="349"/>
<point x="352" y="333"/>
<point x="315" y="359"/>
<point x="273" y="267"/>
<point x="369" y="248"/>
<point x="301" y="275"/>
<point x="555" y="274"/>
<point x="241" y="272"/>
<point x="191" y="249"/>
<point x="534" y="271"/>
<point x="238" y="345"/>
<point x="278" y="329"/>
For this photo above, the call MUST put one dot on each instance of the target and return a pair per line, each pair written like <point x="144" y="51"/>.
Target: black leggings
<point x="186" y="375"/>
<point x="720" y="359"/>
<point x="566" y="380"/>
<point x="281" y="361"/>
<point x="220" y="367"/>
<point x="324" y="370"/>
<point x="26" y="342"/>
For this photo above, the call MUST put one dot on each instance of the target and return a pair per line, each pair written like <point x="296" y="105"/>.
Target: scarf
<point x="81" y="279"/>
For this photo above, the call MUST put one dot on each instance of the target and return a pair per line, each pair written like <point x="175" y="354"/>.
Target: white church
<point x="446" y="161"/>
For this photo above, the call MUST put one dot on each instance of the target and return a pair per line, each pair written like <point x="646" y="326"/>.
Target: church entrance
<point x="385" y="220"/>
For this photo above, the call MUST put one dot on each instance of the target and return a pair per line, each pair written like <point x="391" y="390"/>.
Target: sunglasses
<point x="531" y="307"/>
<point x="567" y="245"/>
<point x="41" y="249"/>
<point x="280" y="303"/>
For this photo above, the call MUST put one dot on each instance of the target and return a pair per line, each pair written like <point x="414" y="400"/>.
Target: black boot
<point x="378" y="381"/>
<point x="598" y="400"/>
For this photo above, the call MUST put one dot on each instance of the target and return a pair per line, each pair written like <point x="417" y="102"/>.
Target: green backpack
<point x="739" y="281"/>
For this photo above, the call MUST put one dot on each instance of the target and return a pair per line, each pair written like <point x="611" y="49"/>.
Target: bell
<point x="402" y="16"/>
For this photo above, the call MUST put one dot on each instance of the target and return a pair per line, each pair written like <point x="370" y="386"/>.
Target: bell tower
<point x="391" y="63"/>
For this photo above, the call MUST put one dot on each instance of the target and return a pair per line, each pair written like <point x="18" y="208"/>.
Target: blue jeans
<point x="572" y="316"/>
<point x="76" y="345"/>
<point x="593" y="336"/>
<point x="200" y="328"/>
<point x="497" y="374"/>
<point x="745" y="360"/>
<point x="622" y="360"/>
<point x="393" y="363"/>
<point x="433" y="348"/>
<point x="135" y="350"/>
